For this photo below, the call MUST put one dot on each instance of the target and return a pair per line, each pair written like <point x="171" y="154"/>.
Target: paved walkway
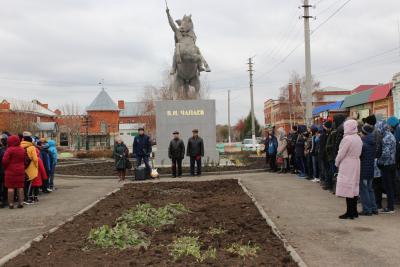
<point x="304" y="213"/>
<point x="19" y="226"/>
<point x="308" y="217"/>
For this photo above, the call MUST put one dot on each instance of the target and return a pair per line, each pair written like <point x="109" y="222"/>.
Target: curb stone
<point x="293" y="253"/>
<point x="161" y="176"/>
<point x="40" y="237"/>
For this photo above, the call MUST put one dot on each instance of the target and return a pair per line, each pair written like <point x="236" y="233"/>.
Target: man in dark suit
<point x="195" y="150"/>
<point x="176" y="152"/>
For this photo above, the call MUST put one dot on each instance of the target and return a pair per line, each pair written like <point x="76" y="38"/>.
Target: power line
<point x="328" y="8"/>
<point x="280" y="62"/>
<point x="331" y="16"/>
<point x="359" y="61"/>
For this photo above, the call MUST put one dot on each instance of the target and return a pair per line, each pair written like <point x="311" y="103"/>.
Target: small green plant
<point x="216" y="231"/>
<point x="244" y="251"/>
<point x="120" y="236"/>
<point x="190" y="231"/>
<point x="125" y="235"/>
<point x="145" y="214"/>
<point x="191" y="246"/>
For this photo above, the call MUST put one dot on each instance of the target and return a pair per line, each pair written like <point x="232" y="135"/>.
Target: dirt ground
<point x="212" y="204"/>
<point x="108" y="169"/>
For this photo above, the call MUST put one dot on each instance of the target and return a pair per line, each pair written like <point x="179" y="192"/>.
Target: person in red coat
<point x="14" y="167"/>
<point x="38" y="181"/>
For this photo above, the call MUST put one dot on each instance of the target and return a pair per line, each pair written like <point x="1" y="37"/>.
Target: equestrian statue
<point x="188" y="61"/>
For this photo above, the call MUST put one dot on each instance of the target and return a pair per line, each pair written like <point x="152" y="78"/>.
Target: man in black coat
<point x="142" y="149"/>
<point x="195" y="150"/>
<point x="176" y="152"/>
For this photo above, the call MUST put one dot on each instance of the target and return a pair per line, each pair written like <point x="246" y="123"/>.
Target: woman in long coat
<point x="282" y="149"/>
<point x="348" y="163"/>
<point x="120" y="154"/>
<point x="13" y="163"/>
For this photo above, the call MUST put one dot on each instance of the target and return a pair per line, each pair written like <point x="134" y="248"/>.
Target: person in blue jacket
<point x="272" y="150"/>
<point x="142" y="149"/>
<point x="53" y="163"/>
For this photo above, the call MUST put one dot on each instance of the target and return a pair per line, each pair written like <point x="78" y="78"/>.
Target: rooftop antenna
<point x="102" y="84"/>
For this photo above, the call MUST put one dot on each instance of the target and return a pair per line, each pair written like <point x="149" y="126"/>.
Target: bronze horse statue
<point x="188" y="61"/>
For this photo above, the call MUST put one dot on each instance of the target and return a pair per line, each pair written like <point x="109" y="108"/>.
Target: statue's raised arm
<point x="171" y="22"/>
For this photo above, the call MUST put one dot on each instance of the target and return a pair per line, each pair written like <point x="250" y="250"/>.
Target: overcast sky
<point x="58" y="50"/>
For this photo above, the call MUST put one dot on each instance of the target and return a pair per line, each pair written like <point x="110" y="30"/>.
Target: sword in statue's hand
<point x="166" y="4"/>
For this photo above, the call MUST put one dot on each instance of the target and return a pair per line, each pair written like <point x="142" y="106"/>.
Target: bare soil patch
<point x="218" y="205"/>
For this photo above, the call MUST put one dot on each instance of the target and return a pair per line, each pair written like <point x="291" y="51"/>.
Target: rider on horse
<point x="185" y="44"/>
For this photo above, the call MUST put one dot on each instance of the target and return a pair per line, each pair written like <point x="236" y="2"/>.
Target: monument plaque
<point x="184" y="116"/>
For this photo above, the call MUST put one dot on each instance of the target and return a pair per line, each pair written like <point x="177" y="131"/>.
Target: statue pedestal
<point x="184" y="116"/>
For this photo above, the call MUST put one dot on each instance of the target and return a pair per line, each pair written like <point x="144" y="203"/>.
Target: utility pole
<point x="307" y="17"/>
<point x="229" y="118"/>
<point x="253" y="128"/>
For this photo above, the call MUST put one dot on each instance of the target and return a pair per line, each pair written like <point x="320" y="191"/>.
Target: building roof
<point x="332" y="106"/>
<point x="28" y="106"/>
<point x="362" y="88"/>
<point x="102" y="102"/>
<point x="47" y="126"/>
<point x="380" y="92"/>
<point x="331" y="89"/>
<point x="356" y="99"/>
<point x="373" y="94"/>
<point x="133" y="109"/>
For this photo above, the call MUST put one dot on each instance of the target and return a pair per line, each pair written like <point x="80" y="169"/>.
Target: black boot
<point x="348" y="214"/>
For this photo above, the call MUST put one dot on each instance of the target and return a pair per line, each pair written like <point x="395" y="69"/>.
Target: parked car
<point x="247" y="144"/>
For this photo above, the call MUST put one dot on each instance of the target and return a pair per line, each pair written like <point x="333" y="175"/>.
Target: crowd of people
<point x="27" y="165"/>
<point x="355" y="160"/>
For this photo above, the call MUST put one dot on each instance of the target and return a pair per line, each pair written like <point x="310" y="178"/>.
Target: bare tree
<point x="22" y="117"/>
<point x="71" y="122"/>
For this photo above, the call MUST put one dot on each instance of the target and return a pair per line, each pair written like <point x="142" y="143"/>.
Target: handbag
<point x="128" y="164"/>
<point x="279" y="160"/>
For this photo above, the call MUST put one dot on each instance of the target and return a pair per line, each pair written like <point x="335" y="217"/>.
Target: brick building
<point x="289" y="111"/>
<point x="17" y="116"/>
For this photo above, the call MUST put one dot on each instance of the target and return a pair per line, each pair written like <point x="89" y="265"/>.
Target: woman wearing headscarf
<point x="282" y="149"/>
<point x="348" y="163"/>
<point x="120" y="155"/>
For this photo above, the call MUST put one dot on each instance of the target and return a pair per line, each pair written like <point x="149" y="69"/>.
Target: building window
<point x="103" y="127"/>
<point x="64" y="139"/>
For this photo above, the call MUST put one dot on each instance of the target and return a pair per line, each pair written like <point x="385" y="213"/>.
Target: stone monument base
<point x="184" y="116"/>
